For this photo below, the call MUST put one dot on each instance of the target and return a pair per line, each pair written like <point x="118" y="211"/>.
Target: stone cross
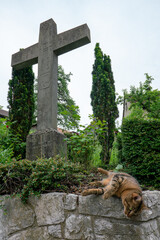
<point x="46" y="53"/>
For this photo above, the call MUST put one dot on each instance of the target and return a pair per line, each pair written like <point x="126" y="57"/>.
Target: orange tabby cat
<point x="123" y="186"/>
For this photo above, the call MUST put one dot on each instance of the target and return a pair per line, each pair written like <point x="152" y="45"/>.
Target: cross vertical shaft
<point x="47" y="77"/>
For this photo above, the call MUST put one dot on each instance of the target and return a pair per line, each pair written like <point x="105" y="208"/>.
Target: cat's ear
<point x="136" y="197"/>
<point x="144" y="207"/>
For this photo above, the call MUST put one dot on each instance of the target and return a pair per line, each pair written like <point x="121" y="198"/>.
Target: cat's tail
<point x="101" y="170"/>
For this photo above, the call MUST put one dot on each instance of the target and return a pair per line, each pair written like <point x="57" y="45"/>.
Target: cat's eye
<point x="131" y="208"/>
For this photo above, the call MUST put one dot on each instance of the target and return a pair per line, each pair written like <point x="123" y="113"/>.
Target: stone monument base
<point x="45" y="144"/>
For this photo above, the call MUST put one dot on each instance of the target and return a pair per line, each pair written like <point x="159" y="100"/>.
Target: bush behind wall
<point x="141" y="149"/>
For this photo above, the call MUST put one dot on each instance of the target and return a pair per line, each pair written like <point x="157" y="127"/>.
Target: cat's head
<point x="133" y="204"/>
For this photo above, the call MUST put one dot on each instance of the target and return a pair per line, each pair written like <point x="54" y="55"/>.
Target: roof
<point x="3" y="113"/>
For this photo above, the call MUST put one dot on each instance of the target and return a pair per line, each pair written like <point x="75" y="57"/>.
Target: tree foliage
<point x="82" y="145"/>
<point x="145" y="98"/>
<point x="103" y="99"/>
<point x="68" y="112"/>
<point x="21" y="107"/>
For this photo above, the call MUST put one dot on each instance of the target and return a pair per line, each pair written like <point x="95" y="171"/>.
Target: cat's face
<point x="133" y="205"/>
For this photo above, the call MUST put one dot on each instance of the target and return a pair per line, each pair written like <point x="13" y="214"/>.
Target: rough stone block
<point x="78" y="227"/>
<point x="55" y="231"/>
<point x="95" y="205"/>
<point x="71" y="202"/>
<point x="3" y="225"/>
<point x="31" y="234"/>
<point x="18" y="215"/>
<point x="113" y="207"/>
<point x="46" y="143"/>
<point x="49" y="208"/>
<point x="126" y="230"/>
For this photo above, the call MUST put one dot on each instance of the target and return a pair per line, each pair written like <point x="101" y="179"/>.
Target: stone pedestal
<point x="45" y="144"/>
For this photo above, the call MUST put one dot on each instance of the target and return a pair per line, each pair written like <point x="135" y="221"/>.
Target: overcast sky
<point x="127" y="30"/>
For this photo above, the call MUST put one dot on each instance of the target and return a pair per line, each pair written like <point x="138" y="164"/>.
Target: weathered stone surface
<point x="49" y="208"/>
<point x="71" y="202"/>
<point x="61" y="216"/>
<point x="78" y="227"/>
<point x="3" y="226"/>
<point x="152" y="200"/>
<point x="113" y="207"/>
<point x="18" y="215"/>
<point x="45" y="53"/>
<point x="126" y="229"/>
<point x="32" y="234"/>
<point x="55" y="231"/>
<point x="47" y="143"/>
<point x="95" y="205"/>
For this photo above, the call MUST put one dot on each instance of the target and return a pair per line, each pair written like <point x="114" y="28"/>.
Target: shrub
<point x="119" y="147"/>
<point x="6" y="155"/>
<point x="9" y="143"/>
<point x="114" y="154"/>
<point x="141" y="149"/>
<point x="82" y="145"/>
<point x="96" y="160"/>
<point x="34" y="177"/>
<point x="6" y="150"/>
<point x="3" y="132"/>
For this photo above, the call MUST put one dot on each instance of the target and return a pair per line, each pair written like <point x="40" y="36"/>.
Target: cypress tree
<point x="103" y="99"/>
<point x="21" y="107"/>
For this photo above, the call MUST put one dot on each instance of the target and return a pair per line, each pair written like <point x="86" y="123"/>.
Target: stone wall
<point x="68" y="216"/>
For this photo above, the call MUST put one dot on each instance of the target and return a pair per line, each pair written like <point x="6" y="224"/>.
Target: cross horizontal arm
<point x="64" y="42"/>
<point x="72" y="39"/>
<point x="25" y="57"/>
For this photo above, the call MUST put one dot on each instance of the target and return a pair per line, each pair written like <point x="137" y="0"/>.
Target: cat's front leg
<point x="108" y="194"/>
<point x="111" y="189"/>
<point x="96" y="184"/>
<point x="92" y="191"/>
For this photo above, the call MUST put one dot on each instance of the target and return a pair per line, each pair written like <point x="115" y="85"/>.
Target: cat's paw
<point x="85" y="193"/>
<point x="105" y="195"/>
<point x="92" y="183"/>
<point x="96" y="184"/>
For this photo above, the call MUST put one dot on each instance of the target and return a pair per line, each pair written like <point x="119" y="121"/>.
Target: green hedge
<point x="141" y="150"/>
<point x="26" y="177"/>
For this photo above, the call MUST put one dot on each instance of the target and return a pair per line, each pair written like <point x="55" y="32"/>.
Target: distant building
<point x="3" y="113"/>
<point x="126" y="106"/>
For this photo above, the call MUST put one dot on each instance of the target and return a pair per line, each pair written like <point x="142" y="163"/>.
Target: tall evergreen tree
<point x="68" y="112"/>
<point x="21" y="106"/>
<point x="103" y="99"/>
